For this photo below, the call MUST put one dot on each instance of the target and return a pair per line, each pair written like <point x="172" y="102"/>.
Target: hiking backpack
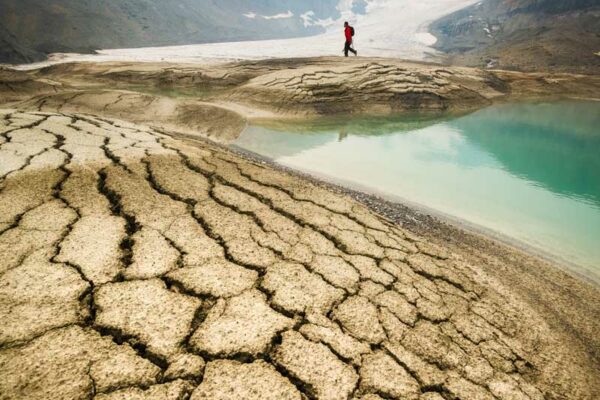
<point x="352" y="31"/>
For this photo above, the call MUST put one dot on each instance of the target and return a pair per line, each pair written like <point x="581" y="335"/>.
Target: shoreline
<point x="567" y="300"/>
<point x="400" y="210"/>
<point x="233" y="90"/>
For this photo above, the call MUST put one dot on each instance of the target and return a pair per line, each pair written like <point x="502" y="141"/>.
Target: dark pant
<point x="347" y="48"/>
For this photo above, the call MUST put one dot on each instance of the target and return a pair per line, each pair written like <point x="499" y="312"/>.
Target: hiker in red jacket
<point x="349" y="33"/>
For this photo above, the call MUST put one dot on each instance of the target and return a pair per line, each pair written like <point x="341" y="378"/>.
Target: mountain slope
<point x="29" y="29"/>
<point x="524" y="34"/>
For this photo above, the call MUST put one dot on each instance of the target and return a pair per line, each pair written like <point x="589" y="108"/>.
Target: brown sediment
<point x="263" y="284"/>
<point x="216" y="101"/>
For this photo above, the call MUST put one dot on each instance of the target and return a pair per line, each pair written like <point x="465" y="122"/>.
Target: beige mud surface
<point x="216" y="101"/>
<point x="137" y="265"/>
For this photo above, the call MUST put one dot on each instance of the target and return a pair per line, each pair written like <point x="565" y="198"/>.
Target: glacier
<point x="388" y="28"/>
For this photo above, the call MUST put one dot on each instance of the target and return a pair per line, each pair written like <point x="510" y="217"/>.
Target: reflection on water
<point x="277" y="139"/>
<point x="555" y="146"/>
<point x="529" y="171"/>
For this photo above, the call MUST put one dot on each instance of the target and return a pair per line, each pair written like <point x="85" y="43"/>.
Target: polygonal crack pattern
<point x="137" y="265"/>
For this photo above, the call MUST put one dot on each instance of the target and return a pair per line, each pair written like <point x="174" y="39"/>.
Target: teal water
<point x="527" y="171"/>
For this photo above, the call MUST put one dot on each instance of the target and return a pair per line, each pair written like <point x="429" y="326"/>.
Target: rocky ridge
<point x="527" y="35"/>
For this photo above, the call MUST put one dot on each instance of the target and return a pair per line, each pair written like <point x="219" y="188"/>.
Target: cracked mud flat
<point x="137" y="265"/>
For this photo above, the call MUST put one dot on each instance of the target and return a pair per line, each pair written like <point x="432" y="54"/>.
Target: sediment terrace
<point x="216" y="101"/>
<point x="138" y="265"/>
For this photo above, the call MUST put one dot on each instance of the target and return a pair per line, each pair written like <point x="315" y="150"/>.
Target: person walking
<point x="349" y="33"/>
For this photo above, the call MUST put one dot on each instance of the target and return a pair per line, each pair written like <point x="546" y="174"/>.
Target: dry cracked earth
<point x="137" y="265"/>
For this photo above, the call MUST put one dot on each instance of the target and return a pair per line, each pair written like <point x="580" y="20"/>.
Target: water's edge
<point x="396" y="208"/>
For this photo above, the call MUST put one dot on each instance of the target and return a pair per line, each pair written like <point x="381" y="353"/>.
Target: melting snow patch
<point x="286" y="15"/>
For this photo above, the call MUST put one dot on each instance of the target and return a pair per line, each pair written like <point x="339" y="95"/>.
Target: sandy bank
<point x="216" y="100"/>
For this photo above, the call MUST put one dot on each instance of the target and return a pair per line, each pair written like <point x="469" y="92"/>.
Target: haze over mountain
<point x="524" y="34"/>
<point x="30" y="29"/>
<point x="513" y="34"/>
<point x="385" y="28"/>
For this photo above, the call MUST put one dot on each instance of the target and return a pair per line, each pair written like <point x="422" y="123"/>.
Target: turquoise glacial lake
<point x="529" y="172"/>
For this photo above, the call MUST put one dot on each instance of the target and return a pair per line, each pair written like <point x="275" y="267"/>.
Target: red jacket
<point x="348" y="33"/>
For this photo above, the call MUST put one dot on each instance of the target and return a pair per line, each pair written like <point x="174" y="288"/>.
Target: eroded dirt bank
<point x="216" y="100"/>
<point x="136" y="264"/>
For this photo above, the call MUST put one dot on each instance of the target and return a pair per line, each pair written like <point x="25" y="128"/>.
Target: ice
<point x="390" y="28"/>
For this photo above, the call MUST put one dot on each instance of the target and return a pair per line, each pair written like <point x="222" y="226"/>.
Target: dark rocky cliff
<point x="524" y="34"/>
